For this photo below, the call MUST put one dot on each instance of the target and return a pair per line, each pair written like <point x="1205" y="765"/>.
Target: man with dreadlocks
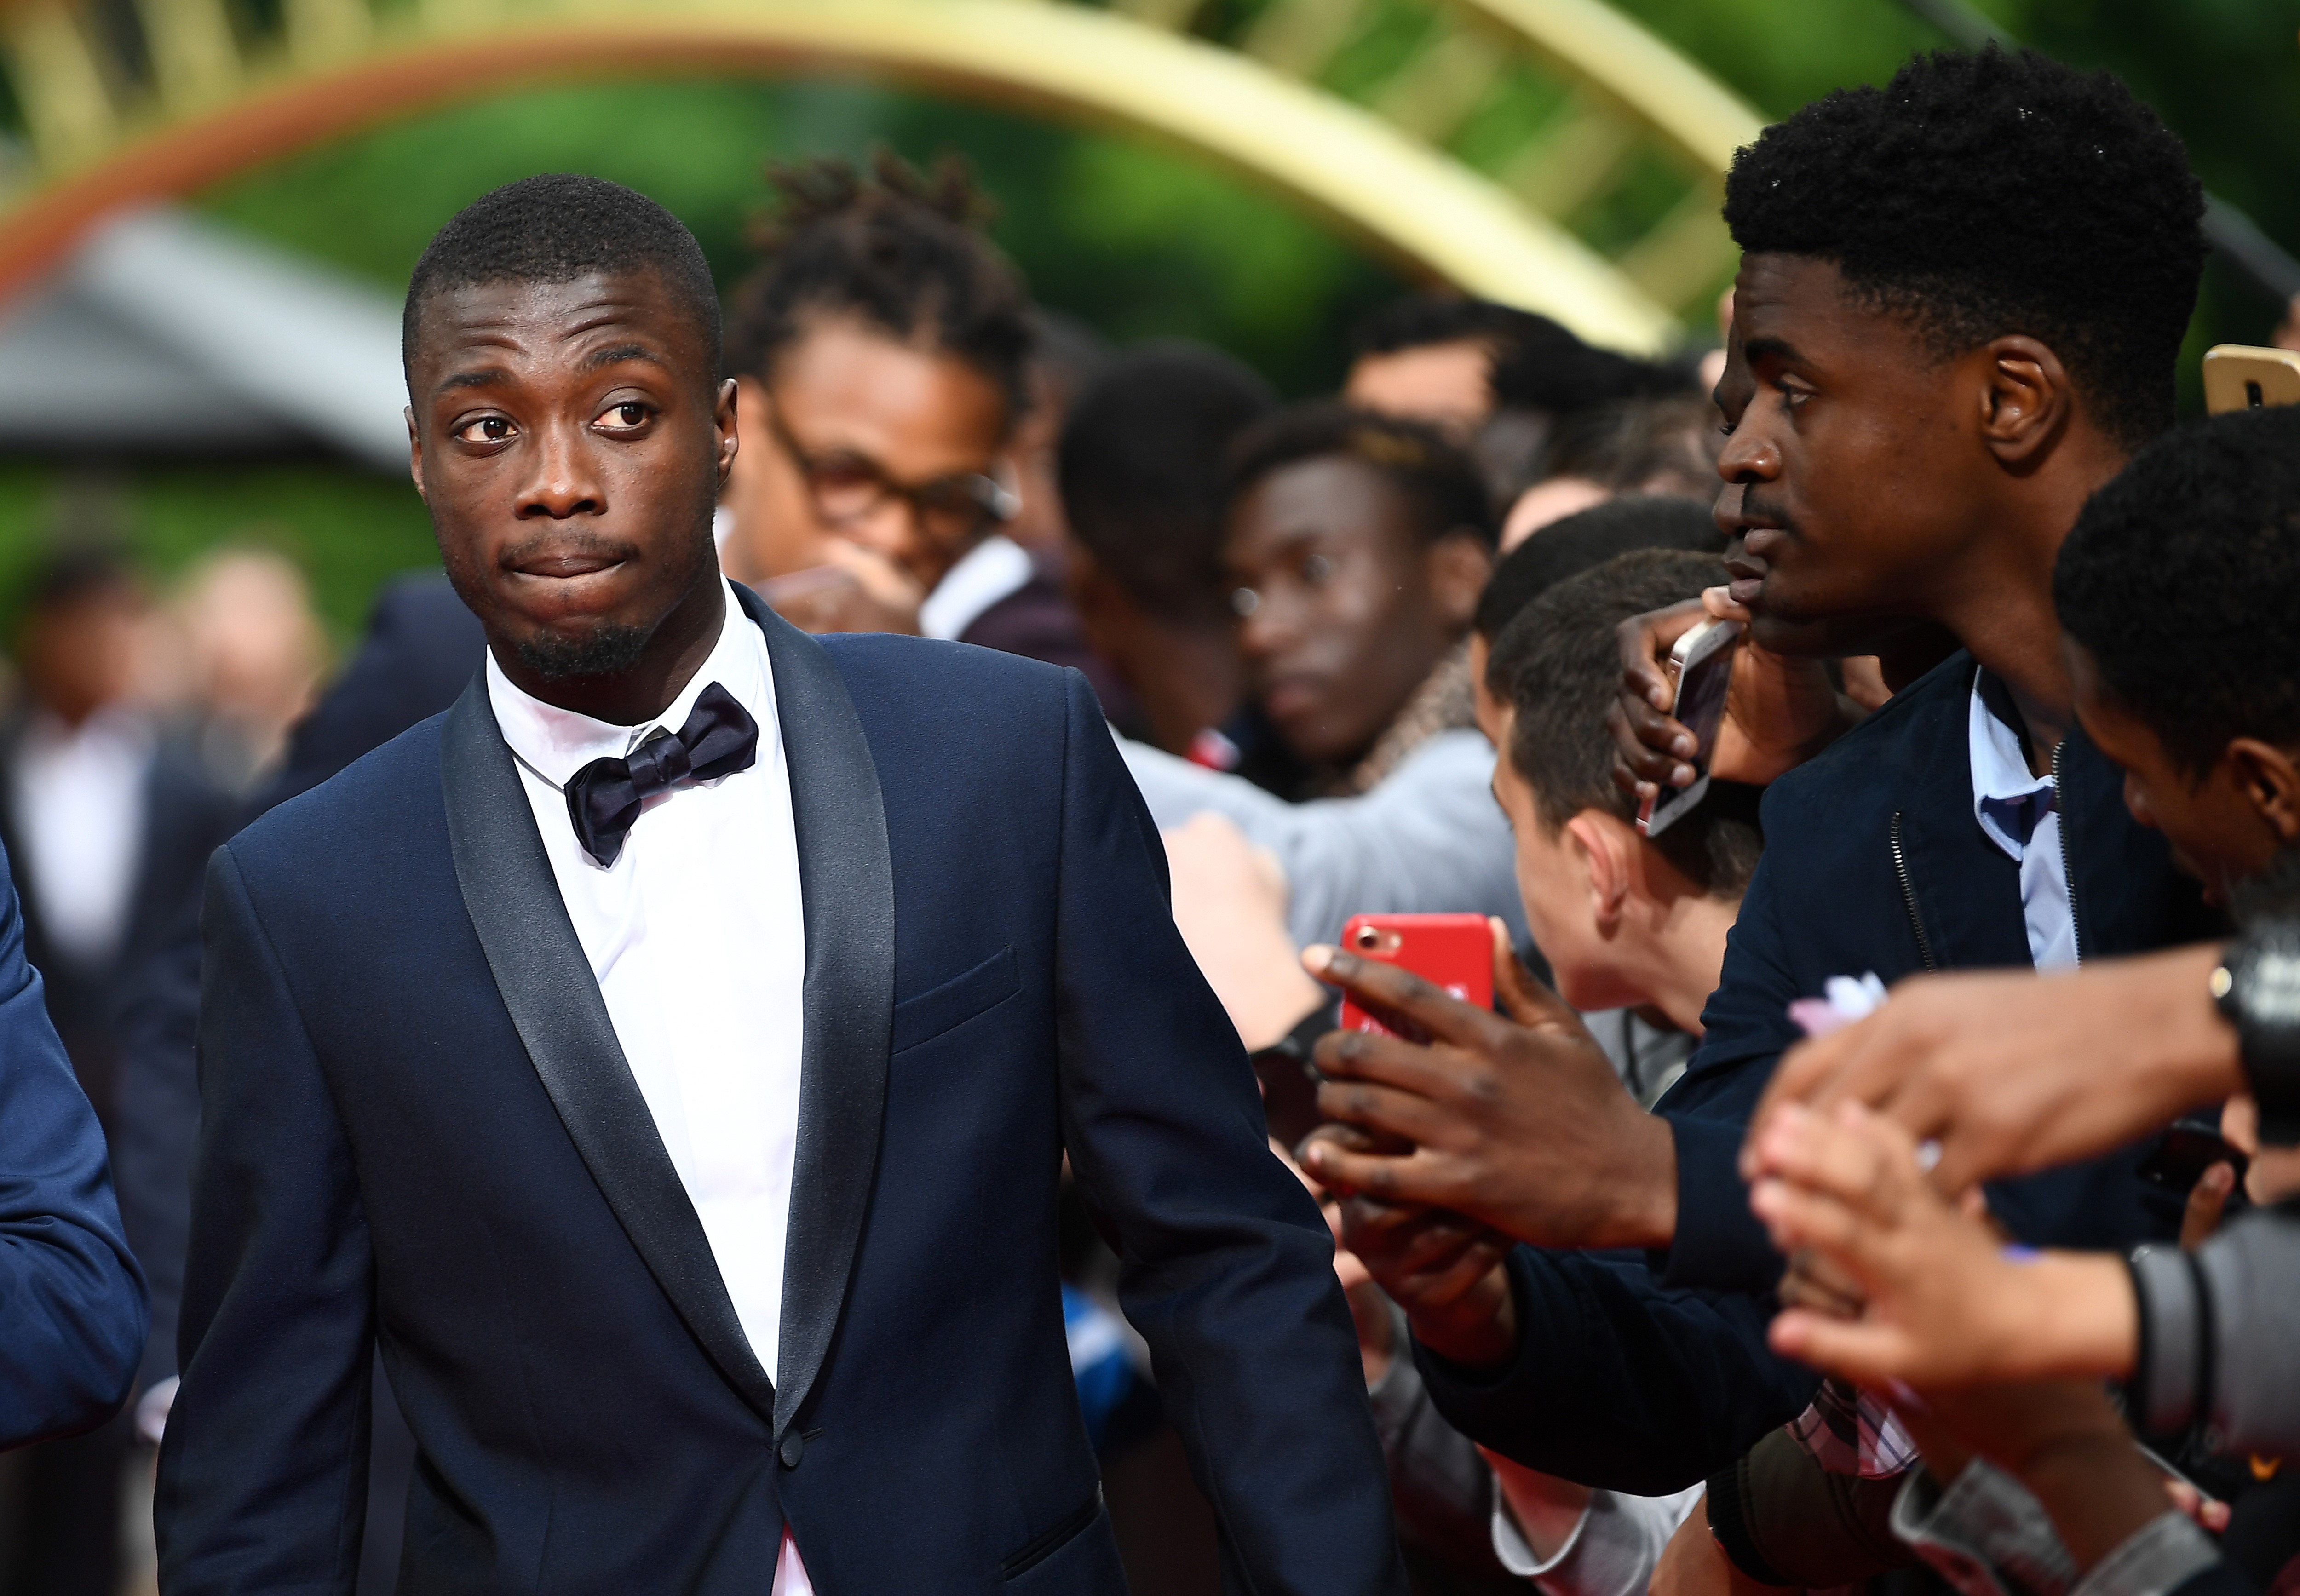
<point x="880" y="356"/>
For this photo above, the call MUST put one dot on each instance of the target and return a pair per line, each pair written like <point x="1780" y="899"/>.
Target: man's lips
<point x="1746" y="561"/>
<point x="1287" y="696"/>
<point x="561" y="567"/>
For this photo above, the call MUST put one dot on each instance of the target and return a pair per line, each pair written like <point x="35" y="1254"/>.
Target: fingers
<point x="2200" y="1510"/>
<point x="1524" y="999"/>
<point x="1645" y="641"/>
<point x="1649" y="747"/>
<point x="1386" y="986"/>
<point x="1799" y="1220"/>
<point x="1426" y="1072"/>
<point x="1866" y="1354"/>
<point x="1850" y="1155"/>
<point x="1802" y="1071"/>
<point x="1405" y="1116"/>
<point x="1354" y="1174"/>
<point x="2206" y="1200"/>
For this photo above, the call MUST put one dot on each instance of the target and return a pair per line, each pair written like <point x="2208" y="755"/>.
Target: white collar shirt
<point x="2019" y="812"/>
<point x="698" y="940"/>
<point x="996" y="569"/>
<point x="80" y="805"/>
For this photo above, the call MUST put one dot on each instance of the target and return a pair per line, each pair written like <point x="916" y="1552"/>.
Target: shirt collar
<point x="556" y="743"/>
<point x="2007" y="799"/>
<point x="992" y="569"/>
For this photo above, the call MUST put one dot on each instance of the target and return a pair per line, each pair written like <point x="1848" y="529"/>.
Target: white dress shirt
<point x="698" y="939"/>
<point x="80" y="800"/>
<point x="992" y="569"/>
<point x="2019" y="812"/>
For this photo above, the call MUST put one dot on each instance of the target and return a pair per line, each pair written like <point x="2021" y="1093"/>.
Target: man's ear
<point x="1460" y="566"/>
<point x="1598" y="839"/>
<point x="415" y="453"/>
<point x="2026" y="399"/>
<point x="722" y="423"/>
<point x="2270" y="781"/>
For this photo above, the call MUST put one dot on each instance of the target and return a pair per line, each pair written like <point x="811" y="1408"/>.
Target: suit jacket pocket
<point x="946" y="1007"/>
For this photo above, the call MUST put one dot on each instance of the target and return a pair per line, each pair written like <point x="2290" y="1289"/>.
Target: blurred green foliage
<point x="1137" y="239"/>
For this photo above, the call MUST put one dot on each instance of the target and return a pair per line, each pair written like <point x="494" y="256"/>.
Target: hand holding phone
<point x="1701" y="663"/>
<point x="1454" y="952"/>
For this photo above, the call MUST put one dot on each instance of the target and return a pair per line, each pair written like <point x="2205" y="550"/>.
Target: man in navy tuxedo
<point x="667" y="1056"/>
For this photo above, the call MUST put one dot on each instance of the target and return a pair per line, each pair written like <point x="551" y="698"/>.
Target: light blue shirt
<point x="2019" y="812"/>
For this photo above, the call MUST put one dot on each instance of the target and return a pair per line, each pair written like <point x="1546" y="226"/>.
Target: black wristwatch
<point x="2257" y="989"/>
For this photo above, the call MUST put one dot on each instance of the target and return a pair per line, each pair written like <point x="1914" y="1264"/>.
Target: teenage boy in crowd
<point x="2174" y="572"/>
<point x="1356" y="548"/>
<point x="881" y="352"/>
<point x="1959" y="306"/>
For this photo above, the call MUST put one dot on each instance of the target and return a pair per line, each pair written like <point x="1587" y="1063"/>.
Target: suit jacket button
<point x="793" y="1449"/>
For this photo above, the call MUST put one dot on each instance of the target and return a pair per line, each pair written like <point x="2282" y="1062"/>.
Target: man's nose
<point x="1749" y="456"/>
<point x="564" y="481"/>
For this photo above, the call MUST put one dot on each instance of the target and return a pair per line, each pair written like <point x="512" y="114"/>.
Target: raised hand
<point x="1519" y="1123"/>
<point x="1941" y="1302"/>
<point x="1780" y="709"/>
<point x="2013" y="1072"/>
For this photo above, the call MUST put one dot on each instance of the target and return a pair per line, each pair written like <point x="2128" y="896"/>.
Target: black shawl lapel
<point x="547" y="982"/>
<point x="846" y="880"/>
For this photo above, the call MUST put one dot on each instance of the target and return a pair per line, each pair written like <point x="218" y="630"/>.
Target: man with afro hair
<point x="1957" y="313"/>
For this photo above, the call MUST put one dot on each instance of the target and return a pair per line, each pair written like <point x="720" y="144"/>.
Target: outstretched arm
<point x="263" y="1468"/>
<point x="1228" y="1270"/>
<point x="71" y="1302"/>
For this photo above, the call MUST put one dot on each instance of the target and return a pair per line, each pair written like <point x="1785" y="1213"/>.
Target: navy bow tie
<point x="604" y="797"/>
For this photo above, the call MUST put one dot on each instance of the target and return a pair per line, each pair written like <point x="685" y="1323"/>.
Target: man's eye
<point x="486" y="430"/>
<point x="623" y="417"/>
<point x="1316" y="569"/>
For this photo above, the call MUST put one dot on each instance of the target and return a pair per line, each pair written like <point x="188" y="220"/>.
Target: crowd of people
<point x="1883" y="1173"/>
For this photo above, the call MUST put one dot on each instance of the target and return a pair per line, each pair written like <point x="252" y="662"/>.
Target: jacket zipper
<point x="1908" y="897"/>
<point x="2068" y="860"/>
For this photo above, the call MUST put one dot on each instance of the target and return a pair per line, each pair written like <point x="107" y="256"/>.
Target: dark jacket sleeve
<point x="1620" y="1383"/>
<point x="262" y="1470"/>
<point x="1227" y="1266"/>
<point x="159" y="1123"/>
<point x="71" y="1300"/>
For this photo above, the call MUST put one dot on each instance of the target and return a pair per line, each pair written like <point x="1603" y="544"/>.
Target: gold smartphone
<point x="2243" y="376"/>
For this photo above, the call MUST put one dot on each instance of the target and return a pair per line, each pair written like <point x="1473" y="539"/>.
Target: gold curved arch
<point x="1379" y="168"/>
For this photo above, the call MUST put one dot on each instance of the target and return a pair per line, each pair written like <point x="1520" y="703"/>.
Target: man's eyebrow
<point x="619" y="352"/>
<point x="1770" y="348"/>
<point x="484" y="377"/>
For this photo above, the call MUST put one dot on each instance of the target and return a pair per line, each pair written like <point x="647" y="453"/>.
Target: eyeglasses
<point x="847" y="487"/>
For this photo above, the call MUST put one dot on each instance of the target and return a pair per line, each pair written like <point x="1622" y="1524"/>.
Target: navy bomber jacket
<point x="1647" y="1374"/>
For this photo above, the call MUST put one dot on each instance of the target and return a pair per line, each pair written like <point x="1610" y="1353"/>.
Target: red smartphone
<point x="1454" y="952"/>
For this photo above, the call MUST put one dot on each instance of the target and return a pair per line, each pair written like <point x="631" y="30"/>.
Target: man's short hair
<point x="1141" y="464"/>
<point x="556" y="228"/>
<point x="1558" y="669"/>
<point x="1435" y="318"/>
<point x="900" y="251"/>
<point x="1980" y="195"/>
<point x="1667" y="444"/>
<point x="2182" y="581"/>
<point x="1440" y="484"/>
<point x="1565" y="377"/>
<point x="1587" y="539"/>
